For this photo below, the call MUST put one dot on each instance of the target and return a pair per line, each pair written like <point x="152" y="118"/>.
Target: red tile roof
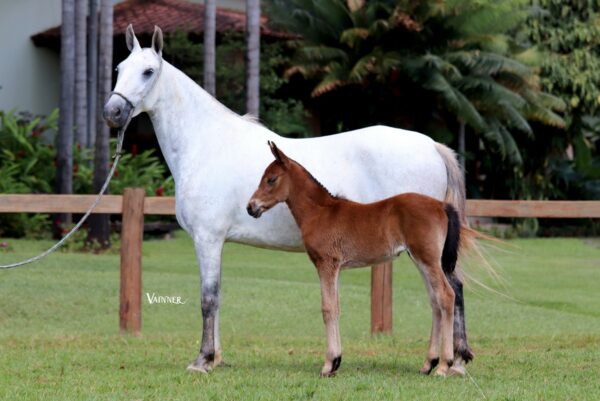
<point x="170" y="16"/>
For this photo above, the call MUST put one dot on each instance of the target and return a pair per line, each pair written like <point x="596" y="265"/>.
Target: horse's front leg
<point x="328" y="275"/>
<point x="209" y="252"/>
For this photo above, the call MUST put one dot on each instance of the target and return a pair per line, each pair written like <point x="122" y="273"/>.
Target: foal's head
<point x="274" y="185"/>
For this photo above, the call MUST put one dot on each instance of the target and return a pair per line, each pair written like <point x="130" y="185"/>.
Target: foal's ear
<point x="131" y="40"/>
<point x="157" y="40"/>
<point x="279" y="155"/>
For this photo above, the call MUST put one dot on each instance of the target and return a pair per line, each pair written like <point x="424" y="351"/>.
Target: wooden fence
<point x="133" y="205"/>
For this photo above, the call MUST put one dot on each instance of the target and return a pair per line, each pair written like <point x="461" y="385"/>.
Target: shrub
<point x="27" y="165"/>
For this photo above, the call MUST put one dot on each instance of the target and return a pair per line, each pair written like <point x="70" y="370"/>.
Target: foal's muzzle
<point x="254" y="210"/>
<point x="117" y="111"/>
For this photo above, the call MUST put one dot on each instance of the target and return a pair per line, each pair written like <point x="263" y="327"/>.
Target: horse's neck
<point x="307" y="198"/>
<point x="187" y="119"/>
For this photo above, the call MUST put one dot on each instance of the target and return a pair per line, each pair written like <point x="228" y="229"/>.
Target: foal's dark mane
<point x="312" y="177"/>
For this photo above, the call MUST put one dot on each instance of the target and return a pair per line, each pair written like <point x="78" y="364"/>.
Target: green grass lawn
<point x="59" y="329"/>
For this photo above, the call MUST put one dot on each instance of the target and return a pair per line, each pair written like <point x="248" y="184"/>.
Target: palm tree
<point x="81" y="118"/>
<point x="210" y="29"/>
<point x="64" y="146"/>
<point x="443" y="62"/>
<point x="99" y="224"/>
<point x="252" y="56"/>
<point x="92" y="69"/>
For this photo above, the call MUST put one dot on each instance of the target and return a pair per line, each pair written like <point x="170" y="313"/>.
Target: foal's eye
<point x="272" y="180"/>
<point x="148" y="72"/>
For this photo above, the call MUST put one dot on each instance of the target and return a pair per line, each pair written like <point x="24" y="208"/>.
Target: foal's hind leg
<point x="442" y="298"/>
<point x="328" y="275"/>
<point x="433" y="353"/>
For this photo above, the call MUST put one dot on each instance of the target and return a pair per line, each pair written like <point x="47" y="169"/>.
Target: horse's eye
<point x="148" y="72"/>
<point x="272" y="180"/>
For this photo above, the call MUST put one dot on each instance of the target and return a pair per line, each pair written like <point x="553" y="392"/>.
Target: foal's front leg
<point x="209" y="259"/>
<point x="328" y="275"/>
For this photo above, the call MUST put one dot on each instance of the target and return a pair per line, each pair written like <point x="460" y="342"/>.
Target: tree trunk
<point x="81" y="120"/>
<point x="252" y="57"/>
<point x="461" y="145"/>
<point x="92" y="69"/>
<point x="99" y="223"/>
<point x="64" y="145"/>
<point x="210" y="21"/>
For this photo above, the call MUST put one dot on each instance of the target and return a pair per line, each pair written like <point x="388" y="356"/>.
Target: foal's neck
<point x="308" y="198"/>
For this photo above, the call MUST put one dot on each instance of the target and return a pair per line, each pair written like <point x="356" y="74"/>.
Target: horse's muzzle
<point x="116" y="112"/>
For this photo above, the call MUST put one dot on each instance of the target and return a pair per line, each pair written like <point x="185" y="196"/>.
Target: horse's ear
<point x="131" y="40"/>
<point x="157" y="40"/>
<point x="279" y="155"/>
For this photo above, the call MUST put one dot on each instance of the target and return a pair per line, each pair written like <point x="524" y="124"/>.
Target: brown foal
<point x="339" y="233"/>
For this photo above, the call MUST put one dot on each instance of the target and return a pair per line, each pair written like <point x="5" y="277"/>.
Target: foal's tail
<point x="452" y="243"/>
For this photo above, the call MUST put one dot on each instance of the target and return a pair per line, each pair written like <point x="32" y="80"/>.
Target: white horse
<point x="217" y="157"/>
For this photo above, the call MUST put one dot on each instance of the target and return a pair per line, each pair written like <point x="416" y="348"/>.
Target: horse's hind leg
<point x="328" y="276"/>
<point x="462" y="352"/>
<point x="209" y="258"/>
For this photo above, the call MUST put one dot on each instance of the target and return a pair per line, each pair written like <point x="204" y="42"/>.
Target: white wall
<point x="28" y="75"/>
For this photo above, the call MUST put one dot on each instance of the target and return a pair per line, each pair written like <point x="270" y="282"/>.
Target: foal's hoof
<point x="428" y="366"/>
<point x="441" y="371"/>
<point x="331" y="367"/>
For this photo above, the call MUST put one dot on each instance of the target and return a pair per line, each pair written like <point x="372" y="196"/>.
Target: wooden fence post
<point x="381" y="298"/>
<point x="132" y="235"/>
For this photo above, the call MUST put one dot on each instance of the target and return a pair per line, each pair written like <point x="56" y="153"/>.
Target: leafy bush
<point x="27" y="165"/>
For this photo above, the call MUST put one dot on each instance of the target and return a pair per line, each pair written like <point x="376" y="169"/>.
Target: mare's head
<point x="274" y="186"/>
<point x="137" y="75"/>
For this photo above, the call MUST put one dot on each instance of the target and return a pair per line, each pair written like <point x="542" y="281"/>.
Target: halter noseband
<point x="123" y="97"/>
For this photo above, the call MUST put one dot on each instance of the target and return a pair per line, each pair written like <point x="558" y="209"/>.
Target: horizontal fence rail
<point x="110" y="204"/>
<point x="530" y="208"/>
<point x="158" y="205"/>
<point x="133" y="205"/>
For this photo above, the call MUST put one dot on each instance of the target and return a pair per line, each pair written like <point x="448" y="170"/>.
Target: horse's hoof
<point x="457" y="370"/>
<point x="425" y="370"/>
<point x="201" y="365"/>
<point x="192" y="367"/>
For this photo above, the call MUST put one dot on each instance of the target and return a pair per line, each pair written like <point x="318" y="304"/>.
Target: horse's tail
<point x="455" y="189"/>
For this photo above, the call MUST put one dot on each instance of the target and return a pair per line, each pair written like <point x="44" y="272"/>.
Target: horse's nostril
<point x="117" y="112"/>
